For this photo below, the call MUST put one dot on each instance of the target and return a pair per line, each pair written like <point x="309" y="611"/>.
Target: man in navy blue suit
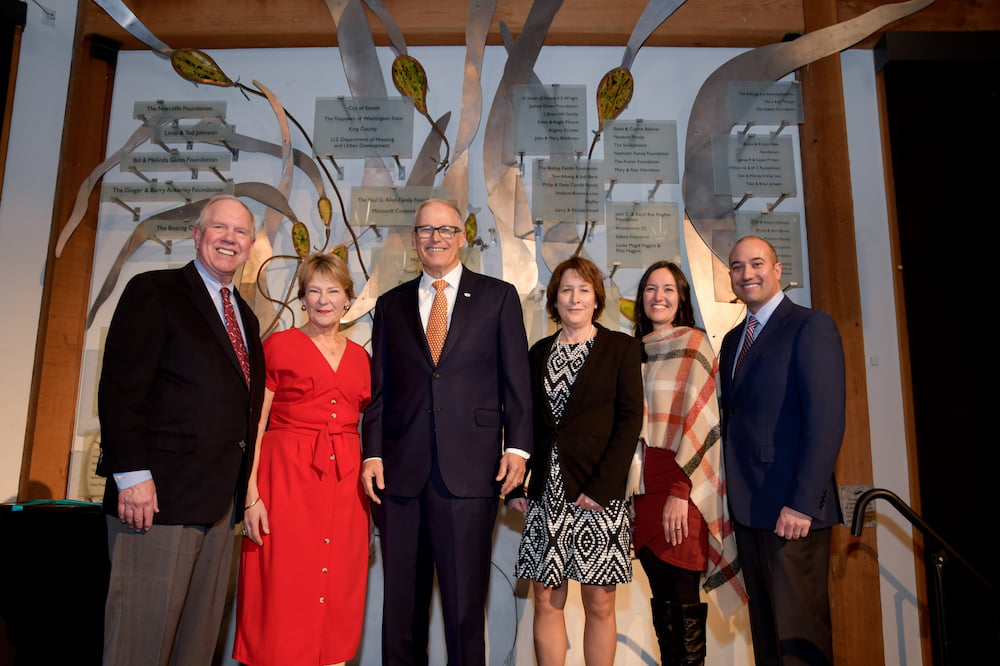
<point x="783" y="399"/>
<point x="448" y="430"/>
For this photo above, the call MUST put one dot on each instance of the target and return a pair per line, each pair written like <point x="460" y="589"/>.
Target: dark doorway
<point x="943" y="103"/>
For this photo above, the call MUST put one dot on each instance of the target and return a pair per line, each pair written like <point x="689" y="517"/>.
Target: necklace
<point x="564" y="339"/>
<point x="335" y="349"/>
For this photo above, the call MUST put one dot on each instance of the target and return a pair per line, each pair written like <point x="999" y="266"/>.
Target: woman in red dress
<point x="682" y="526"/>
<point x="304" y="564"/>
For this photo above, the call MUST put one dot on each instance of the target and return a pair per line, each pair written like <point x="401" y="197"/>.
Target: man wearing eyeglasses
<point x="448" y="430"/>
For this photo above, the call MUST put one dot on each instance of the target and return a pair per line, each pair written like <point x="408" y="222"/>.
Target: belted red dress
<point x="302" y="594"/>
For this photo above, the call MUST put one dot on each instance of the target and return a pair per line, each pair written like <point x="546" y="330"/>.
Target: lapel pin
<point x="467" y="294"/>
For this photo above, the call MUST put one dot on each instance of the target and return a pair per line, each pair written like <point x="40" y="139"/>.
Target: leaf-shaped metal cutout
<point x="613" y="94"/>
<point x="300" y="239"/>
<point x="471" y="229"/>
<point x="410" y="79"/>
<point x="198" y="67"/>
<point x="340" y="251"/>
<point x="627" y="307"/>
<point x="325" y="210"/>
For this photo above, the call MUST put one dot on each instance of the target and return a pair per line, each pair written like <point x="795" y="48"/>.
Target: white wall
<point x="26" y="215"/>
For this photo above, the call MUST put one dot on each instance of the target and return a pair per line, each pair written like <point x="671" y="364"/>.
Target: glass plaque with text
<point x="389" y="206"/>
<point x="181" y="161"/>
<point x="567" y="191"/>
<point x="186" y="109"/>
<point x="363" y="127"/>
<point x="641" y="151"/>
<point x="164" y="191"/>
<point x="765" y="102"/>
<point x="783" y="231"/>
<point x="760" y="165"/>
<point x="203" y="131"/>
<point x="640" y="234"/>
<point x="550" y="120"/>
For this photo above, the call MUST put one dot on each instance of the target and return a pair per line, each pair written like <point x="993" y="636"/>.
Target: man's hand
<point x="511" y="472"/>
<point x="792" y="524"/>
<point x="137" y="504"/>
<point x="372" y="476"/>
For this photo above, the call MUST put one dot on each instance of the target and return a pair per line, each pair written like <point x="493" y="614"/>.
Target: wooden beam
<point x="297" y="23"/>
<point x="940" y="16"/>
<point x="61" y="329"/>
<point x="855" y="602"/>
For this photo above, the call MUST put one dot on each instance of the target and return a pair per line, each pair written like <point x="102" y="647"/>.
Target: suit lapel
<point x="203" y="304"/>
<point x="411" y="316"/>
<point x="540" y="369"/>
<point x="464" y="304"/>
<point x="773" y="328"/>
<point x="251" y="328"/>
<point x="584" y="380"/>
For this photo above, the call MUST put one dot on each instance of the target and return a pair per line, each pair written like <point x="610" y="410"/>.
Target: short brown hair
<point x="328" y="265"/>
<point x="590" y="273"/>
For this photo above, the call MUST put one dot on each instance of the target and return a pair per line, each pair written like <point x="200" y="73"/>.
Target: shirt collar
<point x="452" y="277"/>
<point x="767" y="309"/>
<point x="211" y="283"/>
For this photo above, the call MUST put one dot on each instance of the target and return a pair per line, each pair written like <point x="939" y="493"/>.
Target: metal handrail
<point x="940" y="556"/>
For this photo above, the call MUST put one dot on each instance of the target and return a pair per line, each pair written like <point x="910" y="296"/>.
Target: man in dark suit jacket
<point x="783" y="422"/>
<point x="179" y="399"/>
<point x="440" y="436"/>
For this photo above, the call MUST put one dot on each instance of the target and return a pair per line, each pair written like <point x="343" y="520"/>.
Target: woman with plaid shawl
<point x="682" y="525"/>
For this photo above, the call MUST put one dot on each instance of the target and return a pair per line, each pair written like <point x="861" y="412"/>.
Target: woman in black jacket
<point x="587" y="395"/>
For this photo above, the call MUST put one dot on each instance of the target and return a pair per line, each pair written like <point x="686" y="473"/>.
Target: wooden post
<point x="855" y="600"/>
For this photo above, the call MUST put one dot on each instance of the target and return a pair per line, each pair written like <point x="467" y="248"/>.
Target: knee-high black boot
<point x="688" y="628"/>
<point x="663" y="629"/>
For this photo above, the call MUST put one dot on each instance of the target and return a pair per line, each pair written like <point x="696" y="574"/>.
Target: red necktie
<point x="747" y="341"/>
<point x="235" y="337"/>
<point x="437" y="322"/>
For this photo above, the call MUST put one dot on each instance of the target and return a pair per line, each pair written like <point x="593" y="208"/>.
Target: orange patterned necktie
<point x="235" y="337"/>
<point x="437" y="322"/>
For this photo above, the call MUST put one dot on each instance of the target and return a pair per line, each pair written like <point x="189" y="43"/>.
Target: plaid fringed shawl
<point x="682" y="414"/>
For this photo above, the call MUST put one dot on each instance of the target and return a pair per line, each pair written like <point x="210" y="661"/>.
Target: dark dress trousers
<point x="439" y="431"/>
<point x="173" y="400"/>
<point x="600" y="424"/>
<point x="782" y="426"/>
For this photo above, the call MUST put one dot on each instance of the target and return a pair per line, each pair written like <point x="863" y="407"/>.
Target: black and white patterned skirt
<point x="562" y="541"/>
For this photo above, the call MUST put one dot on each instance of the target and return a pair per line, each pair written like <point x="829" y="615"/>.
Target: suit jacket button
<point x="436" y="375"/>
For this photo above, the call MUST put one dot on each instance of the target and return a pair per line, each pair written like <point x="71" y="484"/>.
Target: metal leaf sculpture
<point x="410" y="79"/>
<point x="614" y="92"/>
<point x="300" y="239"/>
<point x="198" y="67"/>
<point x="144" y="231"/>
<point x="471" y="229"/>
<point x="340" y="251"/>
<point x="710" y="114"/>
<point x="477" y="26"/>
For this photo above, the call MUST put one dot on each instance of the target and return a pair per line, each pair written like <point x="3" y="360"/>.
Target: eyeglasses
<point x="427" y="231"/>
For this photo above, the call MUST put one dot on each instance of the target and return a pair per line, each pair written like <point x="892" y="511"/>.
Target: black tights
<point x="670" y="583"/>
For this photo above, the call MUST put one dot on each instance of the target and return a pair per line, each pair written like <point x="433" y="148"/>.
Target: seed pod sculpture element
<point x="613" y="94"/>
<point x="197" y="67"/>
<point x="410" y="79"/>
